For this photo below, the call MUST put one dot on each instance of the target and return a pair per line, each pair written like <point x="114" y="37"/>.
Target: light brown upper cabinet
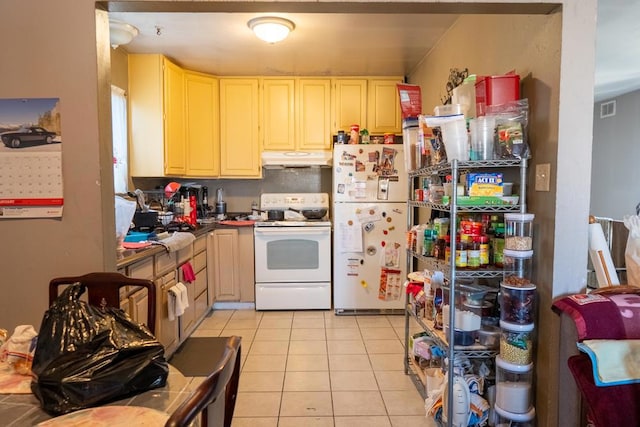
<point x="202" y="125"/>
<point x="278" y="113"/>
<point x="349" y="104"/>
<point x="383" y="113"/>
<point x="157" y="125"/>
<point x="313" y="100"/>
<point x="239" y="127"/>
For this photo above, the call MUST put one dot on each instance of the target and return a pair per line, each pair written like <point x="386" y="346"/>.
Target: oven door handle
<point x="291" y="231"/>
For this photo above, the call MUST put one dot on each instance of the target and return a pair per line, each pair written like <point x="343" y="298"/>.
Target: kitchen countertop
<point x="130" y="256"/>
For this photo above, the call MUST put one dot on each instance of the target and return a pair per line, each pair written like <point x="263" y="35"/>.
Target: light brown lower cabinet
<point x="166" y="329"/>
<point x="231" y="260"/>
<point x="225" y="273"/>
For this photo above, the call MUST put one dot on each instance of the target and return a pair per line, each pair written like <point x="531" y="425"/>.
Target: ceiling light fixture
<point x="271" y="29"/>
<point x="121" y="33"/>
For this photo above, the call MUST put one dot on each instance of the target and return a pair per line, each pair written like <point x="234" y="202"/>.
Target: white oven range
<point x="293" y="255"/>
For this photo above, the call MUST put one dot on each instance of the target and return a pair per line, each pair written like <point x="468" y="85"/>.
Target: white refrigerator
<point x="369" y="219"/>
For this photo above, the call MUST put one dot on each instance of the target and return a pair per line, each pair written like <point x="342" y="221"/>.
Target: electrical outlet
<point x="543" y="176"/>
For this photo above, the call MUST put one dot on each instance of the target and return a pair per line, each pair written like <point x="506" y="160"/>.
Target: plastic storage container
<point x="518" y="266"/>
<point x="494" y="90"/>
<point x="456" y="139"/>
<point x="489" y="336"/>
<point x="509" y="419"/>
<point x="514" y="392"/>
<point x="518" y="231"/>
<point x="460" y="337"/>
<point x="448" y="110"/>
<point x="517" y="303"/>
<point x="481" y="131"/>
<point x="410" y="140"/>
<point x="516" y="344"/>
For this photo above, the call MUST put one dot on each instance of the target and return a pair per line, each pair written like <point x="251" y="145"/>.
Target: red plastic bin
<point x="494" y="90"/>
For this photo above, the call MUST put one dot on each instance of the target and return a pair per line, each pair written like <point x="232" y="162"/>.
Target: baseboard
<point x="234" y="305"/>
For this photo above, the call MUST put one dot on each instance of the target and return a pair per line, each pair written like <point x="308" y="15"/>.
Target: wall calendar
<point x="30" y="158"/>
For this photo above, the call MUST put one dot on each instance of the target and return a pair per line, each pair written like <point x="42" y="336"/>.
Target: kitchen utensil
<point x="139" y="203"/>
<point x="273" y="214"/>
<point x="311" y="213"/>
<point x="221" y="205"/>
<point x="165" y="217"/>
<point x="140" y="197"/>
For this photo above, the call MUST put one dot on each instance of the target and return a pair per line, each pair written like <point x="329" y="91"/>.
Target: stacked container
<point x="514" y="366"/>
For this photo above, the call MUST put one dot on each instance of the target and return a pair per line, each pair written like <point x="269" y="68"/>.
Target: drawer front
<point x="201" y="281"/>
<point x="167" y="278"/>
<point x="199" y="262"/>
<point x="185" y="254"/>
<point x="200" y="244"/>
<point x="201" y="305"/>
<point x="141" y="270"/>
<point x="164" y="263"/>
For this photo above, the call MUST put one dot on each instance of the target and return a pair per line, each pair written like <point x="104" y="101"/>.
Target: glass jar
<point x="516" y="344"/>
<point x="447" y="249"/>
<point x="484" y="250"/>
<point x="439" y="249"/>
<point x="473" y="254"/>
<point x="518" y="267"/>
<point x="497" y="244"/>
<point x="513" y="386"/>
<point x="518" y="231"/>
<point x="517" y="303"/>
<point x="461" y="254"/>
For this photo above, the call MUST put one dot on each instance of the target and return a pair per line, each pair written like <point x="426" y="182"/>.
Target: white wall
<point x="615" y="172"/>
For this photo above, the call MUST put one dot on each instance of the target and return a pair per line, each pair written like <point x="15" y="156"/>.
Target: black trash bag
<point x="87" y="356"/>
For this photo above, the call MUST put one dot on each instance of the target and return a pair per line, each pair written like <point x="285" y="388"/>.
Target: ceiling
<point x="354" y="43"/>
<point x="617" y="48"/>
<point x="321" y="43"/>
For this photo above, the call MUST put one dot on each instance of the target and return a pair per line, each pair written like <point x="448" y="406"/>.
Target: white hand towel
<point x="173" y="296"/>
<point x="184" y="296"/>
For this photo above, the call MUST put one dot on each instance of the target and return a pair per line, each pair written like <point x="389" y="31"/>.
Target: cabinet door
<point x="314" y="114"/>
<point x="174" y="133"/>
<point x="138" y="303"/>
<point x="246" y="264"/>
<point x="166" y="330"/>
<point x="384" y="106"/>
<point x="202" y="125"/>
<point x="226" y="272"/>
<point x="278" y="114"/>
<point x="146" y="100"/>
<point x="350" y="104"/>
<point x="187" y="320"/>
<point x="239" y="142"/>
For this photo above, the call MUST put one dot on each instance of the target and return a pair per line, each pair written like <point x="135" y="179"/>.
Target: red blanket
<point x="612" y="314"/>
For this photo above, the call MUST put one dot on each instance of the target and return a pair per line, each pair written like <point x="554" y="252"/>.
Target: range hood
<point x="296" y="159"/>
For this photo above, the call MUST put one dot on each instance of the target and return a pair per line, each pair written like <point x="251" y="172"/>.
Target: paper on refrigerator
<point x="351" y="236"/>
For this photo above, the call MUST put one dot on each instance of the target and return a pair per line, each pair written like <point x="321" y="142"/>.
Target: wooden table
<point x="18" y="410"/>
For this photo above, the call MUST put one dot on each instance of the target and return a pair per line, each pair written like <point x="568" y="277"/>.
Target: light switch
<point x="543" y="176"/>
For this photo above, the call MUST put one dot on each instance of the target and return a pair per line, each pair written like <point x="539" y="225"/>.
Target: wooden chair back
<point x="221" y="383"/>
<point x="103" y="290"/>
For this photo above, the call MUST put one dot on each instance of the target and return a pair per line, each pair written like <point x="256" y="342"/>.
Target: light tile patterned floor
<point x="316" y="369"/>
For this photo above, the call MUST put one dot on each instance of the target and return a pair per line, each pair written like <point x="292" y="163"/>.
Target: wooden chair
<point x="103" y="290"/>
<point x="221" y="383"/>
